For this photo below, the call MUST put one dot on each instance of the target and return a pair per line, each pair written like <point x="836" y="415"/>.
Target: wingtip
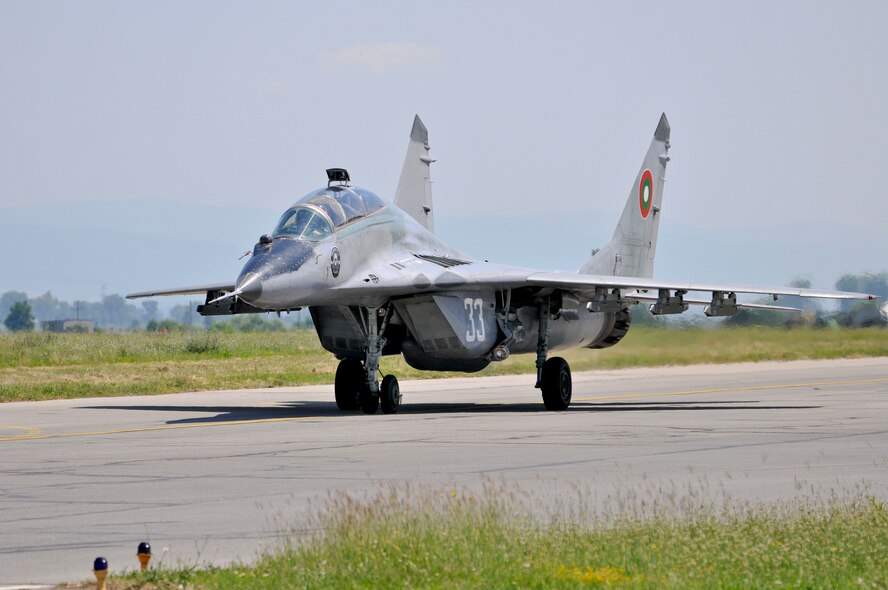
<point x="419" y="131"/>
<point x="663" y="129"/>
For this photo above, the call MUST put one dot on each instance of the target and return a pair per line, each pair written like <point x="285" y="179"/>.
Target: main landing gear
<point x="553" y="375"/>
<point x="357" y="385"/>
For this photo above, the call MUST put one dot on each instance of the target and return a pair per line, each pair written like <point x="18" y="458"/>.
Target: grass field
<point x="48" y="366"/>
<point x="454" y="539"/>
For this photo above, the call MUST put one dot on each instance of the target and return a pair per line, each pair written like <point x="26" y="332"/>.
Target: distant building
<point x="69" y="326"/>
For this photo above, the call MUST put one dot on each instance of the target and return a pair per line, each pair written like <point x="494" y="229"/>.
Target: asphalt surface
<point x="215" y="477"/>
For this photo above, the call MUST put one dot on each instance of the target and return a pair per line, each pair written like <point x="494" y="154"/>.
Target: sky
<point x="538" y="113"/>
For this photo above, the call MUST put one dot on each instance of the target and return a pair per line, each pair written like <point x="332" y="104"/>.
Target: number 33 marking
<point x="475" y="331"/>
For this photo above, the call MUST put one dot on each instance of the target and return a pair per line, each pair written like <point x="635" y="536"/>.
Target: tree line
<point x="114" y="312"/>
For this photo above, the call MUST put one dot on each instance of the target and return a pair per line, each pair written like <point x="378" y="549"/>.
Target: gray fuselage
<point x="444" y="324"/>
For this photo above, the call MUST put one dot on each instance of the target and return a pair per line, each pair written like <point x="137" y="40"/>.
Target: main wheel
<point x="369" y="401"/>
<point x="349" y="377"/>
<point x="389" y="394"/>
<point x="556" y="384"/>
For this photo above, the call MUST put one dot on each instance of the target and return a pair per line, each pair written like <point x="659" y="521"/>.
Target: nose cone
<point x="250" y="287"/>
<point x="266" y="281"/>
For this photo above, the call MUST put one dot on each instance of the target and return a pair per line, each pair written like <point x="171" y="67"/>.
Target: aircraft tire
<point x="557" y="384"/>
<point x="369" y="400"/>
<point x="389" y="395"/>
<point x="349" y="377"/>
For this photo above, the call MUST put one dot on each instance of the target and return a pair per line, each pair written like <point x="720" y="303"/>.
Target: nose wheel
<point x="390" y="395"/>
<point x="353" y="393"/>
<point x="348" y="385"/>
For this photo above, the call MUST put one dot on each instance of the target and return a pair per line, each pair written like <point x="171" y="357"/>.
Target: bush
<point x="203" y="343"/>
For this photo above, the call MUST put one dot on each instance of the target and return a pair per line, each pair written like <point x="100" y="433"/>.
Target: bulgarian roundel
<point x="646" y="193"/>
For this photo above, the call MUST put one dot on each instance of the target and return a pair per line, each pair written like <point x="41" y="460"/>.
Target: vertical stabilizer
<point x="631" y="250"/>
<point x="414" y="194"/>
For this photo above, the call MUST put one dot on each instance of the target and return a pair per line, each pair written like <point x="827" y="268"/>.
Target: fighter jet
<point x="377" y="281"/>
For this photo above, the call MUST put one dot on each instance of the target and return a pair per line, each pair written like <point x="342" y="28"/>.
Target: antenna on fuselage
<point x="339" y="175"/>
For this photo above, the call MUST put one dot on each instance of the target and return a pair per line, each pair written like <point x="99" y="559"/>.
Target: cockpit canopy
<point x="317" y="214"/>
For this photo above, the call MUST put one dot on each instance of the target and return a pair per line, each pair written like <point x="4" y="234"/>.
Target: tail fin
<point x="631" y="250"/>
<point x="414" y="194"/>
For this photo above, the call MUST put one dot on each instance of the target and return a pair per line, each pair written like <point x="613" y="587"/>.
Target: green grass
<point x="454" y="539"/>
<point x="50" y="366"/>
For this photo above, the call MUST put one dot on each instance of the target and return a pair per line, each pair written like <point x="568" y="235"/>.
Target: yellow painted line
<point x="156" y="428"/>
<point x="29" y="431"/>
<point x="732" y="389"/>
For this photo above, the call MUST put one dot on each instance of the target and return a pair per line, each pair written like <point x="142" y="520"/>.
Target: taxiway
<point x="214" y="477"/>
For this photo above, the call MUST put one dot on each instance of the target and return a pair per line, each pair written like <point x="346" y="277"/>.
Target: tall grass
<point x="495" y="538"/>
<point x="49" y="349"/>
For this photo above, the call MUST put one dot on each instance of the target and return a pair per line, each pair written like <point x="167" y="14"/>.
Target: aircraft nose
<point x="250" y="288"/>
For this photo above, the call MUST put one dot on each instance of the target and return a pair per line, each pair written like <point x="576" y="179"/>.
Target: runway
<point x="216" y="476"/>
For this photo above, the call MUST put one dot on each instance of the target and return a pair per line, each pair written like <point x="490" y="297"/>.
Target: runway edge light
<point x="144" y="553"/>
<point x="100" y="569"/>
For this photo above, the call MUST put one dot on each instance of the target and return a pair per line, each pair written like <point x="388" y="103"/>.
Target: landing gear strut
<point x="553" y="375"/>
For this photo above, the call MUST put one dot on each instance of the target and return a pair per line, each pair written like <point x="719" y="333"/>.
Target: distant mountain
<point x="77" y="251"/>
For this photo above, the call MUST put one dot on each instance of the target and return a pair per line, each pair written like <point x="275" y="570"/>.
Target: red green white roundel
<point x="646" y="193"/>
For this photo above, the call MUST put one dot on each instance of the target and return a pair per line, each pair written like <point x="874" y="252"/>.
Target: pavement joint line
<point x="734" y="389"/>
<point x="156" y="428"/>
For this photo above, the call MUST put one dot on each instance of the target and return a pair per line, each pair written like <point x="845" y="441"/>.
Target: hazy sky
<point x="535" y="110"/>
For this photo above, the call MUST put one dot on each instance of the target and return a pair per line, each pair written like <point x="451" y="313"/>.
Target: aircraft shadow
<point x="287" y="410"/>
<point x="442" y="408"/>
<point x="291" y="410"/>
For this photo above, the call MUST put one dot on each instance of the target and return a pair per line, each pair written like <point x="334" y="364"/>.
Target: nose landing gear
<point x="357" y="386"/>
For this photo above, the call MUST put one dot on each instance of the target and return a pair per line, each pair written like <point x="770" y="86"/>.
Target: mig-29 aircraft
<point x="378" y="282"/>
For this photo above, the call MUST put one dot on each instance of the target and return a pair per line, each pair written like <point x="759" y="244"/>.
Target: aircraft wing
<point x="426" y="278"/>
<point x="195" y="290"/>
<point x="588" y="283"/>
